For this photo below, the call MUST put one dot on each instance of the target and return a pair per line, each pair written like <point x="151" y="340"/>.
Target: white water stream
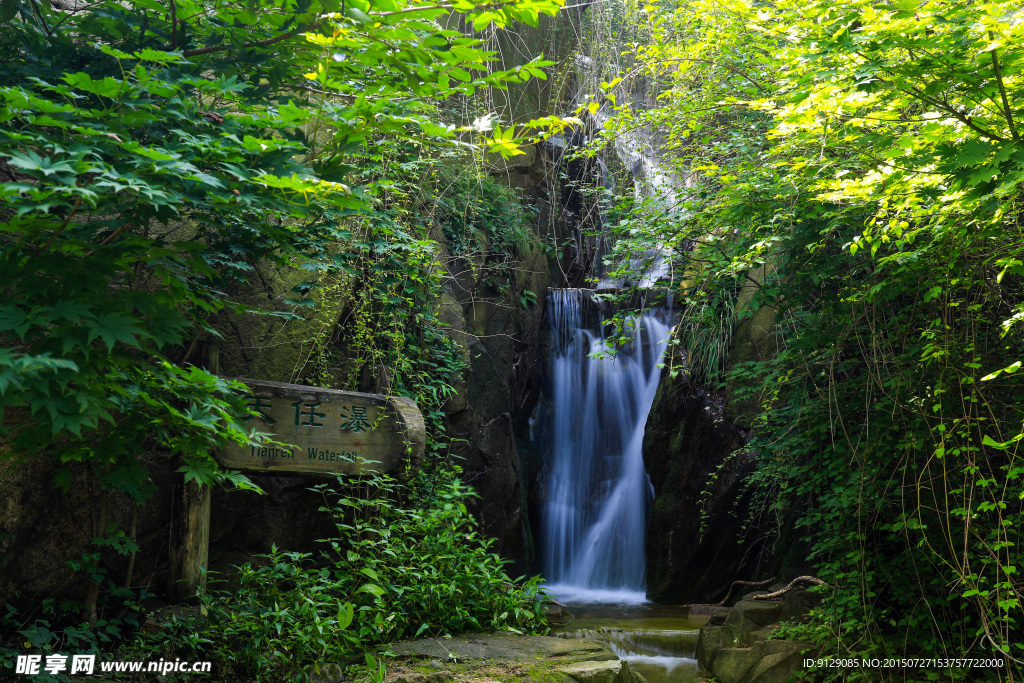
<point x="594" y="519"/>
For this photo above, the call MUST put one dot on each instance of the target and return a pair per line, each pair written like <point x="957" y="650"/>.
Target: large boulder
<point x="739" y="648"/>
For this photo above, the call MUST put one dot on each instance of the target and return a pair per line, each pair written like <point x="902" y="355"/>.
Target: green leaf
<point x="108" y="87"/>
<point x="1008" y="369"/>
<point x="346" y="614"/>
<point x="483" y="20"/>
<point x="158" y="56"/>
<point x="371" y="588"/>
<point x="8" y="9"/>
<point x="360" y="17"/>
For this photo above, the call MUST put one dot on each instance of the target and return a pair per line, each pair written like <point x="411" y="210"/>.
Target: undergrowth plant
<point x="397" y="567"/>
<point x="483" y="221"/>
<point x="705" y="332"/>
<point x="54" y="627"/>
<point x="154" y="157"/>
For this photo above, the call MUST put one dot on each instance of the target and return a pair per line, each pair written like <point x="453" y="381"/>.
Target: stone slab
<point x="491" y="646"/>
<point x="506" y="657"/>
<point x="617" y="671"/>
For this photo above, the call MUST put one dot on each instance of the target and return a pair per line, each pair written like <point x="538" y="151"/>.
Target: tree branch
<point x="1002" y="91"/>
<point x="763" y="90"/>
<point x="792" y="584"/>
<point x="243" y="46"/>
<point x="427" y="8"/>
<point x="39" y="14"/>
<point x="114" y="235"/>
<point x="174" y="25"/>
<point x="752" y="584"/>
<point x="919" y="95"/>
<point x="963" y="118"/>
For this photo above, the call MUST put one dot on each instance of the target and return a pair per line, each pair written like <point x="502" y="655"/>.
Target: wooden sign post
<point x="319" y="432"/>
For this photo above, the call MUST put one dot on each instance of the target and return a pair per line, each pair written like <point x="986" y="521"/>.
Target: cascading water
<point x="594" y="518"/>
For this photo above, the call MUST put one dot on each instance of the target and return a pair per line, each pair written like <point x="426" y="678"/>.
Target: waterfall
<point x="594" y="517"/>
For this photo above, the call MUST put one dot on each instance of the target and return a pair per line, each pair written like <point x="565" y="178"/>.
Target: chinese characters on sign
<point x="257" y="404"/>
<point x="298" y="429"/>
<point x="356" y="422"/>
<point x="353" y="418"/>
<point x="310" y="415"/>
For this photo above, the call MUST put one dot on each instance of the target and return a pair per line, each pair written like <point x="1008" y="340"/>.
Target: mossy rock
<point x="737" y="649"/>
<point x="749" y="615"/>
<point x="269" y="347"/>
<point x="731" y="664"/>
<point x="601" y="672"/>
<point x="508" y="657"/>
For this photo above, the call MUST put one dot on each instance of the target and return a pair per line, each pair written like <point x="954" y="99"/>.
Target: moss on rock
<point x="508" y="657"/>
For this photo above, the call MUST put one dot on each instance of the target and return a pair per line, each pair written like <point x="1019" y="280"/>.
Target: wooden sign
<point x="327" y="432"/>
<point x="321" y="432"/>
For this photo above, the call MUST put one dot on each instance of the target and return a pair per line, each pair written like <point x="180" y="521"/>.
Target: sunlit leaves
<point x="152" y="168"/>
<point x="857" y="168"/>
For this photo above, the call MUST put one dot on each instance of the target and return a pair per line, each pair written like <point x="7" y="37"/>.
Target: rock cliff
<point x="701" y="536"/>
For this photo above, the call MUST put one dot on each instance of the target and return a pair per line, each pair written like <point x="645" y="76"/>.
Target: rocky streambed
<point x="658" y="641"/>
<point x="641" y="643"/>
<point x="603" y="644"/>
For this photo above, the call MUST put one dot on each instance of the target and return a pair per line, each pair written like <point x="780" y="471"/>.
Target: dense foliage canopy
<point x="153" y="154"/>
<point x="857" y="167"/>
<point x="156" y="157"/>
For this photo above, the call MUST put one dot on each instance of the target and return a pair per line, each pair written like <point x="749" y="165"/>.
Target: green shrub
<point x="57" y="627"/>
<point x="393" y="571"/>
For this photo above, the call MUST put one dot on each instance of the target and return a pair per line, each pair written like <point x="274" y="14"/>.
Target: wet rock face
<point x="486" y="418"/>
<point x="692" y="454"/>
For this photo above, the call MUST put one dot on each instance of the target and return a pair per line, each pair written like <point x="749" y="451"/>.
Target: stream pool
<point x="658" y="641"/>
